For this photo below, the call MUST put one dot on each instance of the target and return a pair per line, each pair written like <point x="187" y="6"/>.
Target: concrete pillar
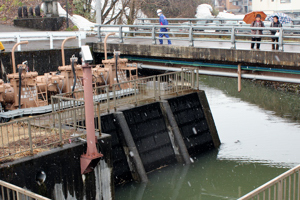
<point x="183" y="152"/>
<point x="133" y="152"/>
<point x="209" y="118"/>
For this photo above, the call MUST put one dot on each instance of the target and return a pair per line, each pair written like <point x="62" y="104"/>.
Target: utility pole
<point x="98" y="12"/>
<point x="67" y="9"/>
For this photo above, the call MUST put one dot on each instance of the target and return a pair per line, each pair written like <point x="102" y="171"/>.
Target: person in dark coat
<point x="163" y="21"/>
<point x="257" y="23"/>
<point x="275" y="23"/>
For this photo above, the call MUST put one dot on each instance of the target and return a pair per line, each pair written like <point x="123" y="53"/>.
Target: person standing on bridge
<point x="257" y="23"/>
<point x="275" y="23"/>
<point x="163" y="21"/>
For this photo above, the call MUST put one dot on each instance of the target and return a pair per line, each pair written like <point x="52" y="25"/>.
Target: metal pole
<point x="98" y="12"/>
<point x="30" y="136"/>
<point x="233" y="38"/>
<point x="153" y="35"/>
<point x="135" y="93"/>
<point x="281" y="40"/>
<point x="108" y="97"/>
<point x="158" y="82"/>
<point x="191" y="36"/>
<point x="92" y="154"/>
<point x="67" y="8"/>
<point x="63" y="49"/>
<point x="120" y="34"/>
<point x="239" y="77"/>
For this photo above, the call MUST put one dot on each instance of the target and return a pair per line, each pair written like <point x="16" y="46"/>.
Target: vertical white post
<point x="19" y="40"/>
<point x="280" y="40"/>
<point x="51" y="41"/>
<point x="121" y="34"/>
<point x="79" y="39"/>
<point x="233" y="38"/>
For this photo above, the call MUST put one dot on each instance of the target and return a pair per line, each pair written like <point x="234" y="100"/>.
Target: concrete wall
<point x="43" y="61"/>
<point x="63" y="177"/>
<point x="270" y="58"/>
<point x="41" y="23"/>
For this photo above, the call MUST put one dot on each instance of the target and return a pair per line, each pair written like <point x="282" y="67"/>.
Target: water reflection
<point x="260" y="132"/>
<point x="283" y="104"/>
<point x="208" y="179"/>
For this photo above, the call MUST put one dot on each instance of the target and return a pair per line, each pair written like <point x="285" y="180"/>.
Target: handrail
<point x="17" y="191"/>
<point x="202" y="19"/>
<point x="13" y="54"/>
<point x="191" y="33"/>
<point x="68" y="111"/>
<point x="273" y="182"/>
<point x="41" y="35"/>
<point x="63" y="49"/>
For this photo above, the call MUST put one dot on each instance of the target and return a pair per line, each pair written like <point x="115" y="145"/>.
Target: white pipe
<point x="227" y="74"/>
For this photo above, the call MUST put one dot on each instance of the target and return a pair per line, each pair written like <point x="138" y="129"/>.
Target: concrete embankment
<point x="61" y="167"/>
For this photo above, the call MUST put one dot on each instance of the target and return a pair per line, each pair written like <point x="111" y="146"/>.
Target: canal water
<point x="260" y="133"/>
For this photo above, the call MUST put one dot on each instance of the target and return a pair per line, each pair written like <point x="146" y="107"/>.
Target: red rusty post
<point x="89" y="160"/>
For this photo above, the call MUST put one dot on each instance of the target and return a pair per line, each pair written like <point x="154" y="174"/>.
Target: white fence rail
<point x="41" y="35"/>
<point x="211" y="21"/>
<point x="191" y="33"/>
<point x="284" y="187"/>
<point x="10" y="191"/>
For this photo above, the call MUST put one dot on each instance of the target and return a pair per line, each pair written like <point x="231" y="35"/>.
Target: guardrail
<point x="193" y="33"/>
<point x="220" y="21"/>
<point x="133" y="92"/>
<point x="66" y="122"/>
<point x="31" y="135"/>
<point x="38" y="36"/>
<point x="10" y="191"/>
<point x="285" y="186"/>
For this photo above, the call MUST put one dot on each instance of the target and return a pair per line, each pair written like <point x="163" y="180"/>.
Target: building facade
<point x="291" y="7"/>
<point x="235" y="6"/>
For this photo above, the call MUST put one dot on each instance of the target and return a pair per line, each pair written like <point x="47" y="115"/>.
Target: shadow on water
<point x="283" y="104"/>
<point x="207" y="178"/>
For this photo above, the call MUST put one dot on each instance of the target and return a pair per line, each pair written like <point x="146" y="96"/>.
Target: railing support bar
<point x="153" y="35"/>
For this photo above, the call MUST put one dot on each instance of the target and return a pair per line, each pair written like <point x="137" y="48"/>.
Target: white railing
<point x="216" y="21"/>
<point x="10" y="191"/>
<point x="192" y="33"/>
<point x="41" y="35"/>
<point x="284" y="187"/>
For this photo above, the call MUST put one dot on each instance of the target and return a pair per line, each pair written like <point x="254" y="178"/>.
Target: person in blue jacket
<point x="163" y="21"/>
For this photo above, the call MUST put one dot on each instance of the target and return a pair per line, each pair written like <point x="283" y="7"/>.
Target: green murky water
<point x="260" y="132"/>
